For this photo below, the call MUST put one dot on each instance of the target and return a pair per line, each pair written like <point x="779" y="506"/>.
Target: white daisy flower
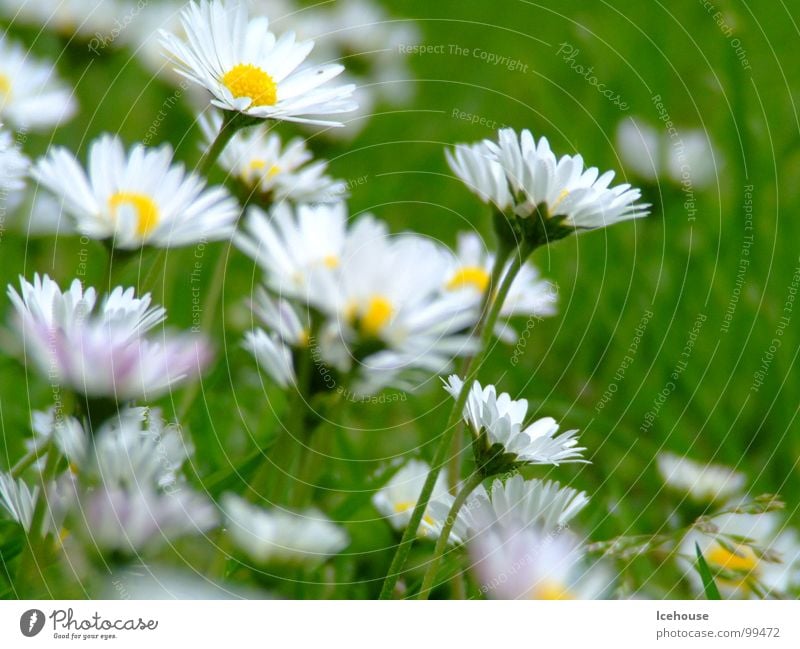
<point x="502" y="418"/>
<point x="385" y="308"/>
<point x="288" y="244"/>
<point x="397" y="499"/>
<point x="247" y="69"/>
<point x="85" y="18"/>
<point x="102" y="350"/>
<point x="67" y="434"/>
<point x="562" y="190"/>
<point x="281" y="317"/>
<point x="272" y="355"/>
<point x="741" y="572"/>
<point x="136" y="518"/>
<point x="13" y="173"/>
<point x="31" y="95"/>
<point x="139" y="198"/>
<point x="258" y="159"/>
<point x="280" y="536"/>
<point x="687" y="159"/>
<point x="513" y="562"/>
<point x="137" y="447"/>
<point x="515" y="502"/>
<point x="470" y="275"/>
<point x="17" y="499"/>
<point x="704" y="483"/>
<point x="481" y="173"/>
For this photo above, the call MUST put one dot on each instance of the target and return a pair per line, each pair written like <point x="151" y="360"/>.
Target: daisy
<point x="385" y="310"/>
<point x="258" y="159"/>
<point x="501" y="418"/>
<point x="514" y="562"/>
<point x="397" y="499"/>
<point x="280" y="536"/>
<point x="136" y="518"/>
<point x="137" y="447"/>
<point x="289" y="243"/>
<point x="704" y="483"/>
<point x="85" y="18"/>
<point x="690" y="159"/>
<point x="517" y="172"/>
<point x="739" y="570"/>
<point x="273" y="350"/>
<point x="470" y="275"/>
<point x="66" y="433"/>
<point x="17" y="499"/>
<point x="132" y="496"/>
<point x="136" y="199"/>
<point x="31" y="95"/>
<point x="249" y="70"/>
<point x="13" y="172"/>
<point x="102" y="350"/>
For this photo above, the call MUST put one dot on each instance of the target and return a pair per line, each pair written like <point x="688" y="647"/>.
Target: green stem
<point x="228" y="130"/>
<point x="454" y="468"/>
<point x="471" y="484"/>
<point x="486" y="329"/>
<point x="30" y="458"/>
<point x="31" y="576"/>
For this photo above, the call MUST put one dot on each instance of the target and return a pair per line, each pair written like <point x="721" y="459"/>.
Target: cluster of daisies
<point x="343" y="307"/>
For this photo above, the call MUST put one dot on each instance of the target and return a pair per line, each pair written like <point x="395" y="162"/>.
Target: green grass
<point x="607" y="279"/>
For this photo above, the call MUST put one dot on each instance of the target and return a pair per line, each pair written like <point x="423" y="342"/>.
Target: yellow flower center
<point x="245" y="80"/>
<point x="146" y="210"/>
<point x="304" y="338"/>
<point x="5" y="86"/>
<point x="742" y="560"/>
<point x="376" y="316"/>
<point x="256" y="168"/>
<point x="549" y="589"/>
<point x="407" y="505"/>
<point x="473" y="276"/>
<point x="331" y="261"/>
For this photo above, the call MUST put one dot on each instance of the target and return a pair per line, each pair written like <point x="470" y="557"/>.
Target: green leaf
<point x="710" y="588"/>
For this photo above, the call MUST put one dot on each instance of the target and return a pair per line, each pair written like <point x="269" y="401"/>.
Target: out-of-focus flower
<point x="280" y="536"/>
<point x="13" y="172"/>
<point x="139" y="518"/>
<point x="137" y="198"/>
<point x="31" y="95"/>
<point x="397" y="499"/>
<point x="742" y="569"/>
<point x="258" y="159"/>
<point x="84" y="18"/>
<point x="470" y="274"/>
<point x="249" y="70"/>
<point x="102" y="351"/>
<point x="703" y="483"/>
<point x="516" y="536"/>
<point x="502" y="419"/>
<point x="688" y="159"/>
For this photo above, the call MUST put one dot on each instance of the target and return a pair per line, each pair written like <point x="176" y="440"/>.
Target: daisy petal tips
<point x="250" y="70"/>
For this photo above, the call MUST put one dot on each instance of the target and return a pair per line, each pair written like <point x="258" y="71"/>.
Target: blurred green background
<point x="674" y="265"/>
